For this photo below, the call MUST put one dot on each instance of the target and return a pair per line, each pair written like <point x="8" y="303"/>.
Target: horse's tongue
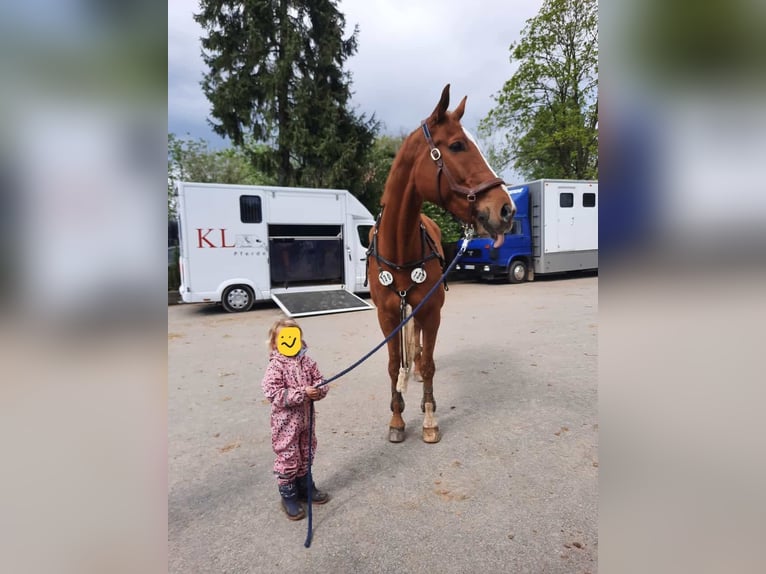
<point x="499" y="240"/>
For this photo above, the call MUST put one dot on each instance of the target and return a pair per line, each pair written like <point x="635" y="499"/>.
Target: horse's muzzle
<point x="507" y="212"/>
<point x="497" y="226"/>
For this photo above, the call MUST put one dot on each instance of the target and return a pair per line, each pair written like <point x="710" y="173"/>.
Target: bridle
<point x="426" y="241"/>
<point x="469" y="192"/>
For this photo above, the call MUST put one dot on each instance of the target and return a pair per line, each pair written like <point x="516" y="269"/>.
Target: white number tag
<point x="418" y="275"/>
<point x="385" y="278"/>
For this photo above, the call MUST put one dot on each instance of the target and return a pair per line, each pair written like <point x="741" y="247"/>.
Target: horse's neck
<point x="399" y="233"/>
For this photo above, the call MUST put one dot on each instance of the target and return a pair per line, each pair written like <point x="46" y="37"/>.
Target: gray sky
<point x="407" y="51"/>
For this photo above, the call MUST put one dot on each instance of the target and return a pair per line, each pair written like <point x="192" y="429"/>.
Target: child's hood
<point x="280" y="358"/>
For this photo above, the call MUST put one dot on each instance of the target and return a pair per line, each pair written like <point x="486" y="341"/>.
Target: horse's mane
<point x="400" y="170"/>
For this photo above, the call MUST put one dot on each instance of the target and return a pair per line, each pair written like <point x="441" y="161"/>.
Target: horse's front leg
<point x="427" y="369"/>
<point x="396" y="426"/>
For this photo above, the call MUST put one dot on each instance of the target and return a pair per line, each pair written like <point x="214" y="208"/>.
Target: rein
<point x="469" y="192"/>
<point x="468" y="231"/>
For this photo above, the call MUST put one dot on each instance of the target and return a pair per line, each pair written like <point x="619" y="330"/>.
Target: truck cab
<point x="513" y="259"/>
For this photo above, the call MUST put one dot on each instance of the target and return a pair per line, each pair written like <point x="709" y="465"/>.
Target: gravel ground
<point x="511" y="487"/>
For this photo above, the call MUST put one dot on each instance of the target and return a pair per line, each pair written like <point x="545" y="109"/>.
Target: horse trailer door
<point x="587" y="217"/>
<point x="560" y="207"/>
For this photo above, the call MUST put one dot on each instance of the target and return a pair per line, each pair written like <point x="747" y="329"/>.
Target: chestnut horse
<point x="439" y="162"/>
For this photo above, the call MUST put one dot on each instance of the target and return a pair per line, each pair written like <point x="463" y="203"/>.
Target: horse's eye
<point x="457" y="146"/>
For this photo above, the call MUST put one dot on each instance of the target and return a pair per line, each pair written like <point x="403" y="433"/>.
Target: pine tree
<point x="276" y="76"/>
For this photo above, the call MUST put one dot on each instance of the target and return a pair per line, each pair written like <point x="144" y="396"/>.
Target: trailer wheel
<point x="517" y="271"/>
<point x="237" y="298"/>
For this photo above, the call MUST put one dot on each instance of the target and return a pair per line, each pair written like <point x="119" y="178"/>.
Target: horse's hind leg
<point x="418" y="353"/>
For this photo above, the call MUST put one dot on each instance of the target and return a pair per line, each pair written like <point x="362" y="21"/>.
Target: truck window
<point x="589" y="200"/>
<point x="250" y="209"/>
<point x="364" y="234"/>
<point x="515" y="227"/>
<point x="566" y="199"/>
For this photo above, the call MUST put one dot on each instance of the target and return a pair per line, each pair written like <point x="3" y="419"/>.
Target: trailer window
<point x="250" y="209"/>
<point x="289" y="231"/>
<point x="566" y="199"/>
<point x="364" y="234"/>
<point x="589" y="200"/>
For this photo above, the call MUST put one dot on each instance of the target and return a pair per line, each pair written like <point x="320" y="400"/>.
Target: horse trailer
<point x="303" y="248"/>
<point x="555" y="230"/>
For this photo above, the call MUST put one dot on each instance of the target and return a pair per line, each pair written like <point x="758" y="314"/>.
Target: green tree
<point x="451" y="228"/>
<point x="276" y="75"/>
<point x="548" y="110"/>
<point x="378" y="164"/>
<point x="192" y="160"/>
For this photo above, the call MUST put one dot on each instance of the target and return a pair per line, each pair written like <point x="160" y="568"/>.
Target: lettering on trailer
<point x="215" y="238"/>
<point x="203" y="241"/>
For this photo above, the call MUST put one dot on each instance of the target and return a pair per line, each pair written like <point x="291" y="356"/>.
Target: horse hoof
<point x="395" y="435"/>
<point x="431" y="435"/>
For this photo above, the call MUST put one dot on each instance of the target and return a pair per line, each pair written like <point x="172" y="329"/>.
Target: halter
<point x="470" y="193"/>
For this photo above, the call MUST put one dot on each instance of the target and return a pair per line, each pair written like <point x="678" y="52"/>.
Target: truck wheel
<point x="237" y="298"/>
<point x="517" y="272"/>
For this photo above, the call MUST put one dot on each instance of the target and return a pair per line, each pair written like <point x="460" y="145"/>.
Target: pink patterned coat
<point x="283" y="384"/>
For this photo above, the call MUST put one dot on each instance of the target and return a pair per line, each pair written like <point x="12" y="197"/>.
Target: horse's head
<point x="454" y="174"/>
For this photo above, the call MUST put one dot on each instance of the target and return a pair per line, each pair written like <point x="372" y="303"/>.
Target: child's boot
<point x="290" y="505"/>
<point x="317" y="496"/>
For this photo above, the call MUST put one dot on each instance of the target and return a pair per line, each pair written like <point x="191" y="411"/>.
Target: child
<point x="289" y="384"/>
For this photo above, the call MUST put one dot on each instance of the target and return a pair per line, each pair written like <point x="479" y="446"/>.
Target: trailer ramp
<point x="305" y="303"/>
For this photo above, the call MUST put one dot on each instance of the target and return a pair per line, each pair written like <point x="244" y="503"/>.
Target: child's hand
<point x="313" y="393"/>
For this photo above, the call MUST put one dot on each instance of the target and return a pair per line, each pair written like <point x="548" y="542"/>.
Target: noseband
<point x="469" y="192"/>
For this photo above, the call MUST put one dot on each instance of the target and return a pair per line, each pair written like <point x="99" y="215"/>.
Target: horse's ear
<point x="460" y="110"/>
<point x="441" y="108"/>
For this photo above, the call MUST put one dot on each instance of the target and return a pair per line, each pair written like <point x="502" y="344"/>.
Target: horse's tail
<point x="407" y="350"/>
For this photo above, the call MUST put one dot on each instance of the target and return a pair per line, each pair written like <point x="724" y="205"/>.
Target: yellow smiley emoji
<point x="289" y="341"/>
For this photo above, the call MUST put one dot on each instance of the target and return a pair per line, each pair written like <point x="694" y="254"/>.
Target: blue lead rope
<point x="309" y="480"/>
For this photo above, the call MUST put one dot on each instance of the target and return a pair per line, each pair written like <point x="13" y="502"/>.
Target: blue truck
<point x="555" y="230"/>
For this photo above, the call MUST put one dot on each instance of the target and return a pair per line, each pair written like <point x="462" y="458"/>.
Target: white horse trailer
<point x="564" y="225"/>
<point x="303" y="248"/>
